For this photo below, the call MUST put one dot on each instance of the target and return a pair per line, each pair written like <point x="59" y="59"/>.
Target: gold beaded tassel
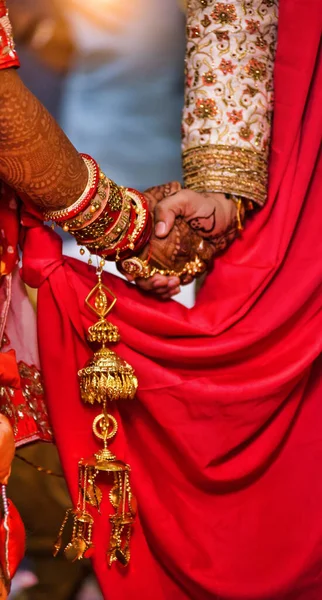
<point x="105" y="378"/>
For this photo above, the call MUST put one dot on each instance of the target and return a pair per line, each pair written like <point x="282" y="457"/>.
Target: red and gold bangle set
<point x="109" y="220"/>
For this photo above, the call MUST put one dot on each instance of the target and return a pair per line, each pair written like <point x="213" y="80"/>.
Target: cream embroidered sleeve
<point x="228" y="100"/>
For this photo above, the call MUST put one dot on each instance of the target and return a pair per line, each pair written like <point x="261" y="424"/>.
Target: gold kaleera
<point x="105" y="378"/>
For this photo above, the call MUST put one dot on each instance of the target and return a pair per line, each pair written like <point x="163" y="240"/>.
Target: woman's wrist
<point x="84" y="200"/>
<point x="110" y="221"/>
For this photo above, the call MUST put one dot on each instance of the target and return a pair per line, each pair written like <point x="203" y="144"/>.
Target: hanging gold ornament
<point x="106" y="378"/>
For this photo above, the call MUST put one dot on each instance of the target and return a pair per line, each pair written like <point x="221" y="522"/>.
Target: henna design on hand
<point x="220" y="241"/>
<point x="203" y="224"/>
<point x="35" y="155"/>
<point x="182" y="244"/>
<point x="159" y="192"/>
<point x="218" y="227"/>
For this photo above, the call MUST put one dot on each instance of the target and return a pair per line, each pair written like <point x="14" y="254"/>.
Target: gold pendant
<point x="106" y="378"/>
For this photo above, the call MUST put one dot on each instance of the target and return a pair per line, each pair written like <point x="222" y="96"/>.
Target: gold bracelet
<point x="239" y="202"/>
<point x="141" y="268"/>
<point x="140" y="217"/>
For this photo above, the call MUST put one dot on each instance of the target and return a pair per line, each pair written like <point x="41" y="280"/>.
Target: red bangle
<point x="140" y="229"/>
<point x="109" y="239"/>
<point x="60" y="216"/>
<point x="111" y="252"/>
<point x="141" y="242"/>
<point x="112" y="219"/>
<point x="145" y="235"/>
<point x="143" y="215"/>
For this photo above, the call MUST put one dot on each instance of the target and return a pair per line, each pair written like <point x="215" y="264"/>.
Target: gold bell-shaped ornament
<point x="106" y="378"/>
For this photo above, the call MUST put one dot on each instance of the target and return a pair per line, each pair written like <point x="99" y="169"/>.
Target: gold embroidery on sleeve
<point x="229" y="95"/>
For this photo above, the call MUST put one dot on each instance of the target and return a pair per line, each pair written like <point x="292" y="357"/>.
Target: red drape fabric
<point x="9" y="375"/>
<point x="225" y="435"/>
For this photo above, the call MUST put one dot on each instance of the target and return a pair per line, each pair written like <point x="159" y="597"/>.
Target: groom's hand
<point x="211" y="215"/>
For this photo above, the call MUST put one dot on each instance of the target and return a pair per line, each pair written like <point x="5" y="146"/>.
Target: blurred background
<point x="111" y="73"/>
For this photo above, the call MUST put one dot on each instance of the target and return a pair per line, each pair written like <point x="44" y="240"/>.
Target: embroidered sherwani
<point x="229" y="96"/>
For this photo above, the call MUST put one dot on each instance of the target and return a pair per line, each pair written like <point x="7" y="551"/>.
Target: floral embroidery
<point x="251" y="91"/>
<point x="235" y="115"/>
<point x="209" y="78"/>
<point x="189" y="119"/>
<point x="256" y="69"/>
<point x="252" y="26"/>
<point x="222" y="35"/>
<point x="205" y="109"/>
<point x="229" y="95"/>
<point x="194" y="32"/>
<point x="226" y="66"/>
<point x="246" y="133"/>
<point x="189" y="80"/>
<point x="205" y="22"/>
<point x="224" y="13"/>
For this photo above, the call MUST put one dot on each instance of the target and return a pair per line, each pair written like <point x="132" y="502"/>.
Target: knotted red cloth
<point x="225" y="435"/>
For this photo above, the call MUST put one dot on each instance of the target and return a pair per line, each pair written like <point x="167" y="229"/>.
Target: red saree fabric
<point x="225" y="436"/>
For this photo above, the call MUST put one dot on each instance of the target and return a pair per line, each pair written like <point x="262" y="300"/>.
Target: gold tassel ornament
<point x="106" y="378"/>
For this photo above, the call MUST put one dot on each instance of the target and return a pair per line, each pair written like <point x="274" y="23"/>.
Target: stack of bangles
<point x="110" y="221"/>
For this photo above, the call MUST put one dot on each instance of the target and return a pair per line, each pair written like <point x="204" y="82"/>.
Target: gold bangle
<point x="114" y="236"/>
<point x="141" y="268"/>
<point x="118" y="232"/>
<point x="115" y="197"/>
<point x="114" y="200"/>
<point x="239" y="202"/>
<point x="93" y="230"/>
<point x="140" y="217"/>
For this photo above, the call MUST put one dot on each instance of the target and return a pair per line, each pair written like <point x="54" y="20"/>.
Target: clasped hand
<point x="186" y="224"/>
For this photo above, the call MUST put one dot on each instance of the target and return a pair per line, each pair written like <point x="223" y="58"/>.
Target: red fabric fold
<point x="225" y="435"/>
<point x="9" y="375"/>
